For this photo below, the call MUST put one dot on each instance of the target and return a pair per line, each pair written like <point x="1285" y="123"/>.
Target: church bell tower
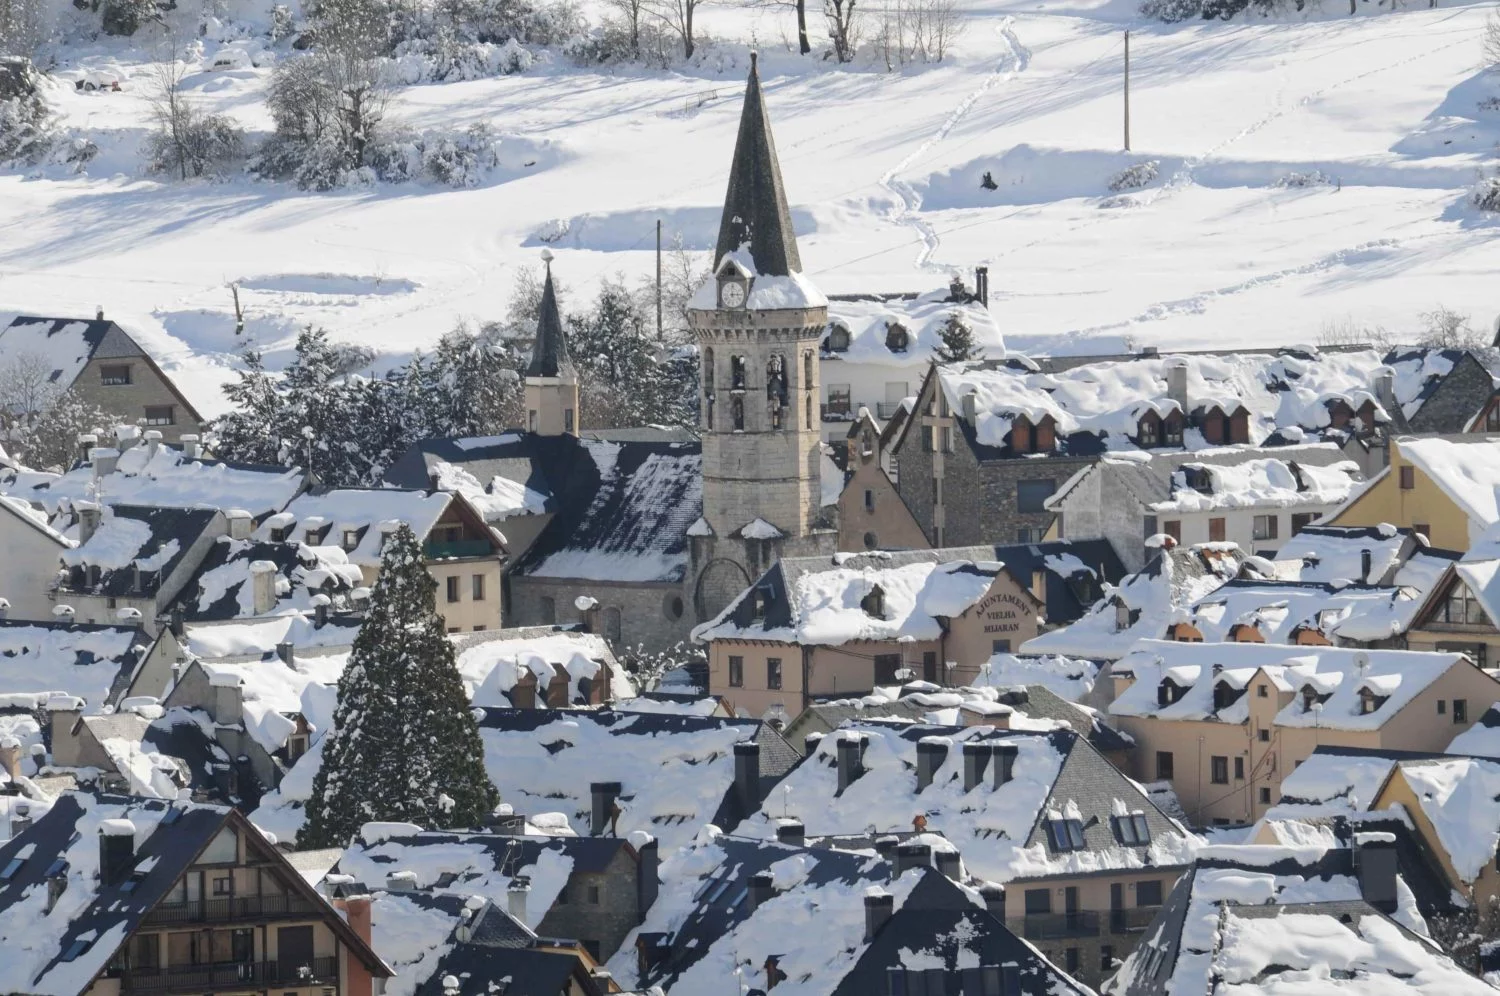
<point x="758" y="322"/>
<point x="551" y="381"/>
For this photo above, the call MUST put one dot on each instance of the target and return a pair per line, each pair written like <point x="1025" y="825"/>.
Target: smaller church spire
<point x="755" y="208"/>
<point x="549" y="353"/>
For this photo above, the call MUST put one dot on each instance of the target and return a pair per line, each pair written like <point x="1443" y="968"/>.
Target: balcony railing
<point x="239" y="975"/>
<point x="231" y="908"/>
<point x="887" y="409"/>
<point x="1132" y="921"/>
<point x="434" y="550"/>
<point x="837" y="411"/>
<point x="1054" y="926"/>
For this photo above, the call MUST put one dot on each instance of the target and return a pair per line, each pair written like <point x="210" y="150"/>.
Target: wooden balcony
<point x="231" y="909"/>
<point x="231" y="976"/>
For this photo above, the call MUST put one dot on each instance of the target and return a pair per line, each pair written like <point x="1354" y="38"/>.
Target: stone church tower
<point x="758" y="322"/>
<point x="551" y="380"/>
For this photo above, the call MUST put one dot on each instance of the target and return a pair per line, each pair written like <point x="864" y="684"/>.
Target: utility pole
<point x="658" y="280"/>
<point x="1127" y="89"/>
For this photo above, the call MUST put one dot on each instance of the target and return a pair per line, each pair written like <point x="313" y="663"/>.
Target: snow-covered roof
<point x="135" y="548"/>
<point x="811" y="922"/>
<point x="848" y="597"/>
<point x="369" y="513"/>
<point x="1483" y="738"/>
<point x="1287" y="394"/>
<point x="34" y="518"/>
<point x="1460" y="796"/>
<point x="1144" y="604"/>
<point x="1279" y="610"/>
<point x="498" y="500"/>
<point x="1264" y="483"/>
<point x="63" y="347"/>
<point x="223" y="587"/>
<point x="87" y="661"/>
<point x="1340" y="779"/>
<point x="1002" y="830"/>
<point x="493" y="662"/>
<point x="1335" y="553"/>
<point x="271" y="693"/>
<point x="157" y="474"/>
<point x="874" y="324"/>
<point x="1466" y="469"/>
<point x="1263" y="920"/>
<point x="1336" y="672"/>
<point x="259" y="638"/>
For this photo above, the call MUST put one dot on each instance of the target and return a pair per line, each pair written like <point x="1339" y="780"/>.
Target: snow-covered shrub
<point x="1486" y="193"/>
<point x="124" y="17"/>
<point x="26" y="133"/>
<point x="1134" y="176"/>
<point x="283" y="24"/>
<point x="453" y="159"/>
<point x="1172" y="11"/>
<point x="446" y="58"/>
<point x="1490" y="104"/>
<point x="198" y="145"/>
<point x="1295" y="179"/>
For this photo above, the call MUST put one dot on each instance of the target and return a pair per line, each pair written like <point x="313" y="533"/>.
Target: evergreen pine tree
<point x="251" y="432"/>
<point x="404" y="745"/>
<point x="958" y="342"/>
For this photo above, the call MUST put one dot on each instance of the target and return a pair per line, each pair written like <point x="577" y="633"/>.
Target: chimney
<point x="63" y="713"/>
<point x="176" y="620"/>
<point x="357" y="979"/>
<point x="229" y="702"/>
<point x="99" y="313"/>
<point x="878" y="909"/>
<point x="116" y="851"/>
<point x="956" y="289"/>
<point x="10" y="757"/>
<point x="931" y="752"/>
<point x="401" y="881"/>
<point x="850" y="760"/>
<point x="982" y="284"/>
<point x="4" y="609"/>
<point x="791" y="832"/>
<point x="1364" y="566"/>
<point x="1039" y="584"/>
<point x="89" y="515"/>
<point x="909" y="856"/>
<point x="515" y="896"/>
<point x="153" y="442"/>
<point x="1384" y="387"/>
<point x="262" y="586"/>
<point x="648" y="864"/>
<point x="886" y="848"/>
<point x="950" y="863"/>
<point x="1177" y="383"/>
<point x="286" y="652"/>
<point x="761" y="890"/>
<point x="810" y="744"/>
<point x="104" y="460"/>
<point x="976" y="756"/>
<point x="970" y="405"/>
<point x="604" y="796"/>
<point x="747" y="775"/>
<point x="189" y="446"/>
<point x="240" y="523"/>
<point x="1375" y="861"/>
<point x="994" y="900"/>
<point x="86" y="442"/>
<point x="1004" y="763"/>
<point x="320" y="603"/>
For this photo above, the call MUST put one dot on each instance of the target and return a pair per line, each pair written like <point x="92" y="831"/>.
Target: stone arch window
<point x="708" y="412"/>
<point x="775" y="413"/>
<point x="838" y="339"/>
<point x="737" y="373"/>
<point x="737" y="414"/>
<point x="896" y="338"/>
<point x="808" y="407"/>
<point x="776" y="380"/>
<point x="708" y="371"/>
<point x="808" y="372"/>
<point x="871" y="541"/>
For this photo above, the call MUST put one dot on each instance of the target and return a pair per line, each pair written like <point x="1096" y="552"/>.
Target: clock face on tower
<point x="732" y="294"/>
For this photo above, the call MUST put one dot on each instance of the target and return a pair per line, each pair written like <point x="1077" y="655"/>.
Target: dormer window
<point x="1226" y="695"/>
<point x="278" y="534"/>
<point x="1312" y="697"/>
<point x="1021" y="435"/>
<point x="351" y="539"/>
<point x="1148" y="432"/>
<point x="873" y="603"/>
<point x="1169" y="692"/>
<point x="1065" y="835"/>
<point x="838" y="339"/>
<point x="1461" y="607"/>
<point x="1339" y="413"/>
<point x="1369" y="701"/>
<point x="311" y="537"/>
<point x="896" y="338"/>
<point x="1171" y="429"/>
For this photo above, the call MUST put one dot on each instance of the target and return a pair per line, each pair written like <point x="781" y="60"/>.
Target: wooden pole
<point x="658" y="280"/>
<point x="1127" y="89"/>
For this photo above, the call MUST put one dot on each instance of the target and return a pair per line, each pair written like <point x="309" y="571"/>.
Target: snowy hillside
<point x="883" y="170"/>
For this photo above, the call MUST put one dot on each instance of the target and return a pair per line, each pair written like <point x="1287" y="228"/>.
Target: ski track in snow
<point x="1015" y="60"/>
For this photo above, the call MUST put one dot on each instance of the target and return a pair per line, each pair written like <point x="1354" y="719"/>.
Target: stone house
<point x="594" y="889"/>
<point x="187" y="899"/>
<point x="1225" y="723"/>
<point x="814" y="627"/>
<point x="989" y="442"/>
<point x="1443" y="487"/>
<point x="1254" y="497"/>
<point x="1074" y="857"/>
<point x="132" y="561"/>
<point x="108" y="368"/>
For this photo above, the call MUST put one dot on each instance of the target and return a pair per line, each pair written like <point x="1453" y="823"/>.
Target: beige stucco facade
<point x="1423" y="506"/>
<point x="1259" y="753"/>
<point x="134" y="389"/>
<point x="872" y="515"/>
<point x="789" y="675"/>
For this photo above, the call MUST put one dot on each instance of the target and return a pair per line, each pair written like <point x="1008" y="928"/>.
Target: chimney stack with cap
<point x="761" y="889"/>
<point x="791" y="832"/>
<point x="116" y="851"/>
<point x="604" y="796"/>
<point x="931" y="752"/>
<point x="1375" y="858"/>
<point x="911" y="855"/>
<point x="515" y="896"/>
<point x="879" y="906"/>
<point x="851" y="747"/>
<point x="976" y="757"/>
<point x="1004" y="763"/>
<point x="747" y="775"/>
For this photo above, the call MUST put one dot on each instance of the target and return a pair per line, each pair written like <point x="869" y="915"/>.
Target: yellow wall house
<point x="1225" y="723"/>
<point x="113" y="899"/>
<point x="1443" y="487"/>
<point x="830" y="627"/>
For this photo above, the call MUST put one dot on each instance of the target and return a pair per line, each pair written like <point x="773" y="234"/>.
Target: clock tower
<point x="758" y="321"/>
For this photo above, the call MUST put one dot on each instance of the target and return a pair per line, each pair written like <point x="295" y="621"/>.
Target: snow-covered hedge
<point x="26" y="134"/>
<point x="1486" y="193"/>
<point x="1135" y="176"/>
<point x="1295" y="179"/>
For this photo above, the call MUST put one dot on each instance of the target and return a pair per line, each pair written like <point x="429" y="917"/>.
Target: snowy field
<point x="883" y="170"/>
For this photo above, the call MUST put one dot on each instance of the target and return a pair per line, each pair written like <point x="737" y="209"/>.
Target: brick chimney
<point x="358" y="981"/>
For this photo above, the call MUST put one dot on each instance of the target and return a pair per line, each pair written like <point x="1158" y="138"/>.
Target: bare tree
<point x="917" y="31"/>
<point x="1492" y="41"/>
<point x="1348" y="332"/>
<point x="186" y="141"/>
<point x="1448" y="329"/>
<point x="39" y="420"/>
<point x="631" y="12"/>
<point x="678" y="16"/>
<point x="842" y="27"/>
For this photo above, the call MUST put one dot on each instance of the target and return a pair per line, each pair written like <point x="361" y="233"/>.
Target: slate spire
<point x="549" y="353"/>
<point x="755" y="208"/>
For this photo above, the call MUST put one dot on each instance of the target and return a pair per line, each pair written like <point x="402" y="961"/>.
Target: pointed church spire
<point x="549" y="353"/>
<point x="755" y="208"/>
